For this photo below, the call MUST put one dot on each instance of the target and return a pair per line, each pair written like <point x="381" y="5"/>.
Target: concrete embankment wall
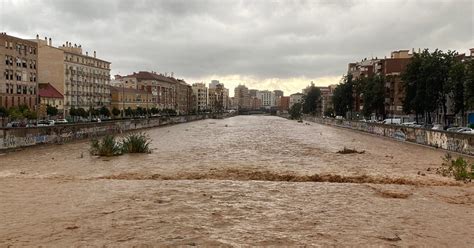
<point x="11" y="138"/>
<point x="450" y="141"/>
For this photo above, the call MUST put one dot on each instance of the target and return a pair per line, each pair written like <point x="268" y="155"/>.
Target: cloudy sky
<point x="262" y="44"/>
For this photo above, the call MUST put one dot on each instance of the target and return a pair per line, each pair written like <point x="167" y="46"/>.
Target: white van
<point x="392" y="121"/>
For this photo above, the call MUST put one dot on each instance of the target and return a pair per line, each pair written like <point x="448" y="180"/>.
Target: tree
<point x="115" y="111"/>
<point x="51" y="111"/>
<point x="373" y="95"/>
<point x="73" y="112"/>
<point x="140" y="111"/>
<point x="343" y="96"/>
<point x="14" y="113"/>
<point x="469" y="84"/>
<point x="154" y="110"/>
<point x="3" y="112"/>
<point x="82" y="113"/>
<point x="329" y="112"/>
<point x="311" y="101"/>
<point x="104" y="111"/>
<point x="457" y="78"/>
<point x="129" y="112"/>
<point x="295" y="111"/>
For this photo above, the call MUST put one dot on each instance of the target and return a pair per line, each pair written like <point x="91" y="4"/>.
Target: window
<point x="7" y="60"/>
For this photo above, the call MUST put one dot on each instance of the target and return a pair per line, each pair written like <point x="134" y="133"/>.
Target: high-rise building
<point x="201" y="96"/>
<point x="242" y="97"/>
<point x="19" y="83"/>
<point x="213" y="84"/>
<point x="278" y="93"/>
<point x="296" y="98"/>
<point x="253" y="93"/>
<point x="217" y="97"/>
<point x="267" y="98"/>
<point x="84" y="80"/>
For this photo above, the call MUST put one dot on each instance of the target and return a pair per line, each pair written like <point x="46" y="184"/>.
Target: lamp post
<point x="123" y="101"/>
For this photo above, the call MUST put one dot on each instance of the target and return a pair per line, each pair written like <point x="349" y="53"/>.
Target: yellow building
<point x="124" y="98"/>
<point x="83" y="80"/>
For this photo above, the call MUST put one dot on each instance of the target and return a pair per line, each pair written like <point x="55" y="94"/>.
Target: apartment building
<point x="391" y="68"/>
<point x="83" y="79"/>
<point x="242" y="97"/>
<point x="165" y="92"/>
<point x="217" y="96"/>
<point x="18" y="85"/>
<point x="123" y="98"/>
<point x="295" y="98"/>
<point x="201" y="96"/>
<point x="267" y="98"/>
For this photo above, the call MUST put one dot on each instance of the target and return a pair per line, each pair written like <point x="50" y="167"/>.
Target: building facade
<point x="161" y="90"/>
<point x="19" y="83"/>
<point x="83" y="80"/>
<point x="201" y="96"/>
<point x="242" y="97"/>
<point x="123" y="98"/>
<point x="283" y="103"/>
<point x="267" y="98"/>
<point x="50" y="96"/>
<point x="295" y="98"/>
<point x="389" y="68"/>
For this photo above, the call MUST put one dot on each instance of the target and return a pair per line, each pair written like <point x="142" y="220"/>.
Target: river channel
<point x="245" y="180"/>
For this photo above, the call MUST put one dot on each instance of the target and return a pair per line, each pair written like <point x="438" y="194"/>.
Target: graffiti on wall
<point x="450" y="141"/>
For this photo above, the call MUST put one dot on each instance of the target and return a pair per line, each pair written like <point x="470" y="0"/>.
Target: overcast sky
<point x="262" y="44"/>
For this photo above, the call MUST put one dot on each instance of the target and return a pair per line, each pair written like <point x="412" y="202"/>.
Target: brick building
<point x="390" y="68"/>
<point x="18" y="84"/>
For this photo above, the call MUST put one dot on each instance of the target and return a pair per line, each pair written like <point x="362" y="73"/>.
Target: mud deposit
<point x="247" y="180"/>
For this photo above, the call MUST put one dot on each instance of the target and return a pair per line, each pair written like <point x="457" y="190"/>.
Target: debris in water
<point x="349" y="151"/>
<point x="392" y="238"/>
<point x="72" y="227"/>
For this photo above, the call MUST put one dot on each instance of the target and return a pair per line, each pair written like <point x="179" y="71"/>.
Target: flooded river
<point x="246" y="180"/>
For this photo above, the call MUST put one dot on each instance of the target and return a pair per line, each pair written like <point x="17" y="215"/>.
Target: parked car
<point x="14" y="124"/>
<point x="61" y="121"/>
<point x="392" y="121"/>
<point x="454" y="129"/>
<point x="339" y="117"/>
<point x="96" y="120"/>
<point x="409" y="124"/>
<point x="465" y="130"/>
<point x="437" y="127"/>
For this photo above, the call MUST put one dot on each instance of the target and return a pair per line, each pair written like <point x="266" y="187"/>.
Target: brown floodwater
<point x="246" y="180"/>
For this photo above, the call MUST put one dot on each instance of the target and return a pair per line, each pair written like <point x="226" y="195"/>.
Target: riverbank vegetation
<point x="110" y="146"/>
<point x="458" y="168"/>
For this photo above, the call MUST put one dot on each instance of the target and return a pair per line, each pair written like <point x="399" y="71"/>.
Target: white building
<point x="267" y="98"/>
<point x="296" y="98"/>
<point x="201" y="96"/>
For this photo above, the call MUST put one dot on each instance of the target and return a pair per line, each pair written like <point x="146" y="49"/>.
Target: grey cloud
<point x="261" y="39"/>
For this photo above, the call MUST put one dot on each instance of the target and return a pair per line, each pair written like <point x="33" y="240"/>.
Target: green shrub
<point x="136" y="143"/>
<point x="107" y="147"/>
<point x="459" y="168"/>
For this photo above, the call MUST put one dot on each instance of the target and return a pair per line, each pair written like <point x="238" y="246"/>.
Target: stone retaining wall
<point x="11" y="138"/>
<point x="456" y="142"/>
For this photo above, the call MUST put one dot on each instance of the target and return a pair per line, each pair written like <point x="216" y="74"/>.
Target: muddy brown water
<point x="246" y="180"/>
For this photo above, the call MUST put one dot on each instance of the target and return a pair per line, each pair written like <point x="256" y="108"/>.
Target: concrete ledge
<point x="450" y="141"/>
<point x="11" y="138"/>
